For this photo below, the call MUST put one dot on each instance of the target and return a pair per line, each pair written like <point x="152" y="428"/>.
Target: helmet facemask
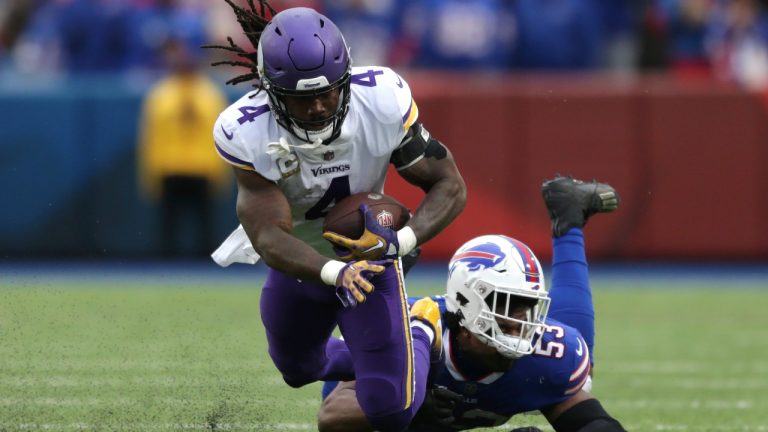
<point x="521" y="314"/>
<point x="306" y="130"/>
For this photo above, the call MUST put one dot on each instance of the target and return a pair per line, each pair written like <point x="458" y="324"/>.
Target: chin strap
<point x="282" y="148"/>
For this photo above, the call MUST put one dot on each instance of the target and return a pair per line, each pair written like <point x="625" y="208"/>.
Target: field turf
<point x="157" y="355"/>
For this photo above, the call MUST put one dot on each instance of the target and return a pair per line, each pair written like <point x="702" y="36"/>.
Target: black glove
<point x="436" y="413"/>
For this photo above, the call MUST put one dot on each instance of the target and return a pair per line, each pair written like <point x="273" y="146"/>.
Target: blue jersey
<point x="557" y="369"/>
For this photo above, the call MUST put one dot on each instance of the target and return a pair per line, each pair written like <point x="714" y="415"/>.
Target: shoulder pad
<point x="565" y="346"/>
<point x="387" y="91"/>
<point x="242" y="132"/>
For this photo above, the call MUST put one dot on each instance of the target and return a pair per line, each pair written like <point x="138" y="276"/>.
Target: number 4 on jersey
<point x="367" y="78"/>
<point x="337" y="190"/>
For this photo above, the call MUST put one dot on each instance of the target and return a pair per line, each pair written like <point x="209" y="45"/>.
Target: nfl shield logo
<point x="328" y="156"/>
<point x="385" y="219"/>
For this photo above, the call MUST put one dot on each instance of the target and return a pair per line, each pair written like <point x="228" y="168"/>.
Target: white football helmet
<point x="490" y="276"/>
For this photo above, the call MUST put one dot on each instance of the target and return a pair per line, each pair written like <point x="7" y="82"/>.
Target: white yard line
<point x="159" y="426"/>
<point x="123" y="402"/>
<point x="74" y="381"/>
<point x="702" y="383"/>
<point x="680" y="427"/>
<point x="76" y="426"/>
<point x="695" y="404"/>
<point x="675" y="367"/>
<point x="96" y="364"/>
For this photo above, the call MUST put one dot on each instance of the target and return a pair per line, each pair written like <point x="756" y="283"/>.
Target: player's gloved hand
<point x="377" y="242"/>
<point x="437" y="410"/>
<point x="353" y="281"/>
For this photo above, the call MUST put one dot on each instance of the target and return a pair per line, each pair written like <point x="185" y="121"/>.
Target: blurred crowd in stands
<point x="692" y="38"/>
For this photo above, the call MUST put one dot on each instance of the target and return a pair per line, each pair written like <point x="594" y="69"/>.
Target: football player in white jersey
<point x="313" y="132"/>
<point x="502" y="353"/>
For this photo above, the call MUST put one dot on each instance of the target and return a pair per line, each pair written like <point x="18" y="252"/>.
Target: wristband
<point x="330" y="272"/>
<point x="406" y="239"/>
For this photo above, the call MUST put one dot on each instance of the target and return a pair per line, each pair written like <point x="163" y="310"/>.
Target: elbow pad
<point x="587" y="416"/>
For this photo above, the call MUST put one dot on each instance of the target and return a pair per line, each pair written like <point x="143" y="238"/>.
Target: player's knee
<point x="383" y="404"/>
<point x="299" y="375"/>
<point x="297" y="381"/>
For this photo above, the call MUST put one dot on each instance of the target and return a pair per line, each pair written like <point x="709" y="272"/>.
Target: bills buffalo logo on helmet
<point x="478" y="257"/>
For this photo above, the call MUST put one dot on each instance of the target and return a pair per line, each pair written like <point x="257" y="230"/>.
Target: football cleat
<point x="571" y="202"/>
<point x="426" y="312"/>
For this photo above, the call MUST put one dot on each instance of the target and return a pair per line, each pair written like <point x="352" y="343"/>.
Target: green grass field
<point x="111" y="355"/>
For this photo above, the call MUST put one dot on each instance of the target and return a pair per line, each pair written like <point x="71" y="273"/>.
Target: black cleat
<point x="571" y="202"/>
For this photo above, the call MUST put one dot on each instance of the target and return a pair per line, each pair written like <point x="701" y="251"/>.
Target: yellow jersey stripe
<point x="411" y="115"/>
<point x="409" y="376"/>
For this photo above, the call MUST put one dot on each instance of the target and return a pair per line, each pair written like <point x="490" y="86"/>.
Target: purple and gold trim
<point x="409" y="376"/>
<point x="233" y="160"/>
<point x="410" y="116"/>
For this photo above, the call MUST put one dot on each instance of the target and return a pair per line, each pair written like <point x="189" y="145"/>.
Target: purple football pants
<point x="299" y="318"/>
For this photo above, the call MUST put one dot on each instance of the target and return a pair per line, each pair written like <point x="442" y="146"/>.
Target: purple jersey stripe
<point x="408" y="113"/>
<point x="233" y="160"/>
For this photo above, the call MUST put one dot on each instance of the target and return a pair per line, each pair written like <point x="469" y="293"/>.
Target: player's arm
<point x="340" y="411"/>
<point x="426" y="163"/>
<point x="581" y="413"/>
<point x="265" y="214"/>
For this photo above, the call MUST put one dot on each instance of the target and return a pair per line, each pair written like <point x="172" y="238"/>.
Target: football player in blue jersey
<point x="315" y="131"/>
<point x="509" y="345"/>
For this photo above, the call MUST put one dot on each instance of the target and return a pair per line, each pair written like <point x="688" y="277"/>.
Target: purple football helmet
<point x="303" y="53"/>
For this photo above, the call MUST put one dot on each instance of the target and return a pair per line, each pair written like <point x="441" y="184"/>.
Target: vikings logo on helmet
<point x="478" y="257"/>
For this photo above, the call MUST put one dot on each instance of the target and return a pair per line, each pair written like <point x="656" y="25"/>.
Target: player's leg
<point x="570" y="292"/>
<point x="570" y="203"/>
<point x="299" y="318"/>
<point x="391" y="363"/>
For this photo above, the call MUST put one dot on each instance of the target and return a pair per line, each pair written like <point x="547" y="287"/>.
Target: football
<point x="346" y="219"/>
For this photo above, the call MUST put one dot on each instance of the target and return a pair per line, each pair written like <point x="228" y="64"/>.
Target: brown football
<point x="346" y="219"/>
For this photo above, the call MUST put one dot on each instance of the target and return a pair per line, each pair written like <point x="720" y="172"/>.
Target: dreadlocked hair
<point x="253" y="21"/>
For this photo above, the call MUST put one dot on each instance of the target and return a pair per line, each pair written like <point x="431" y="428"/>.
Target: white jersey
<point x="381" y="110"/>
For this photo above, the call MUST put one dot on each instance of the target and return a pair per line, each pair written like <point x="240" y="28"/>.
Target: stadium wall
<point x="689" y="159"/>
